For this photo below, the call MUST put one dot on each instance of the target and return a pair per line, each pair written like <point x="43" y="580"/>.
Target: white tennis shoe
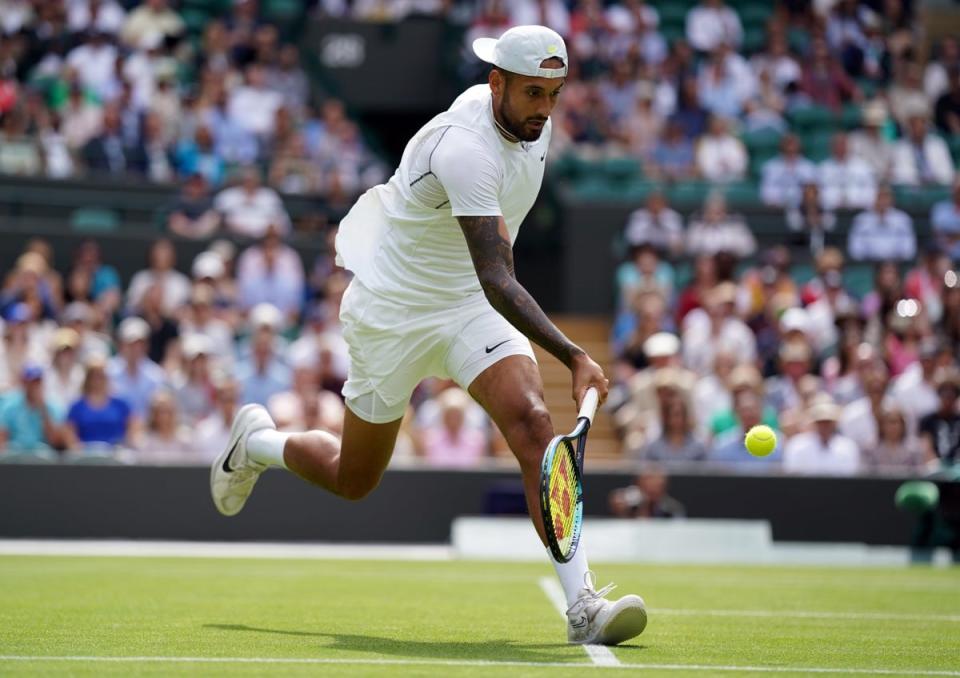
<point x="234" y="473"/>
<point x="594" y="620"/>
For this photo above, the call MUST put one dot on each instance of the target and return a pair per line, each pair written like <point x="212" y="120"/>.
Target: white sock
<point x="572" y="573"/>
<point x="266" y="446"/>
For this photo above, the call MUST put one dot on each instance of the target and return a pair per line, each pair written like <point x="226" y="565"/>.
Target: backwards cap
<point x="522" y="49"/>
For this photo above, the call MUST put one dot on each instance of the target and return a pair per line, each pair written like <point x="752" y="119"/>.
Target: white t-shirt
<point x="805" y="453"/>
<point x="402" y="238"/>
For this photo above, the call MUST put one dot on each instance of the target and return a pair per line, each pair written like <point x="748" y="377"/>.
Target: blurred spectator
<point x="824" y="80"/>
<point x="81" y="118"/>
<point x="644" y="315"/>
<point x="887" y="290"/>
<point x="161" y="271"/>
<point x="158" y="159"/>
<point x="163" y="440"/>
<point x="883" y="233"/>
<point x="906" y="96"/>
<point x="322" y="337"/>
<point x="28" y="419"/>
<point x="108" y="153"/>
<point x="212" y="434"/>
<point x="289" y="79"/>
<point x="860" y="420"/>
<point x="712" y="23"/>
<point x="846" y="181"/>
<point x="152" y="20"/>
<point x="870" y="143"/>
<point x="253" y="106"/>
<point x="63" y="381"/>
<point x="822" y="314"/>
<point x="551" y="13"/>
<point x="294" y="171"/>
<point x="95" y="62"/>
<point x="925" y="282"/>
<point x="306" y="406"/>
<point x="271" y="272"/>
<point x="945" y="220"/>
<point x="715" y="328"/>
<point x="725" y="84"/>
<point x="19" y="152"/>
<point x="29" y="283"/>
<point x="784" y="175"/>
<point x="946" y="112"/>
<point x="81" y="318"/>
<point x="20" y="346"/>
<point x="940" y="430"/>
<point x="693" y="296"/>
<point x="658" y="351"/>
<point x="643" y="270"/>
<point x="198" y="157"/>
<point x="676" y="443"/>
<point x="728" y="448"/>
<point x="936" y="77"/>
<point x="915" y="389"/>
<point x="193" y="215"/>
<point x="742" y="379"/>
<point x="619" y="92"/>
<point x="658" y="225"/>
<point x="200" y="319"/>
<point x="673" y="156"/>
<point x="822" y="451"/>
<point x="98" y="417"/>
<point x="250" y="209"/>
<point x="105" y="16"/>
<point x="897" y="450"/>
<point x="193" y="385"/>
<point x="690" y="115"/>
<point x="164" y="328"/>
<point x="450" y="442"/>
<point x="646" y="498"/>
<point x="783" y="390"/>
<point x="714" y="231"/>
<point x="721" y="157"/>
<point x="263" y="374"/>
<point x="643" y="125"/>
<point x="777" y="61"/>
<point x="711" y="393"/>
<point x="133" y="376"/>
<point x="809" y="221"/>
<point x="921" y="158"/>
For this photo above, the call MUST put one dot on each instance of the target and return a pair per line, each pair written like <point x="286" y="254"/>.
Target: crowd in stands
<point x="121" y="89"/>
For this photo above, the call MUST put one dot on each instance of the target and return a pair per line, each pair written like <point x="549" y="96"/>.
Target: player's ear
<point x="497" y="82"/>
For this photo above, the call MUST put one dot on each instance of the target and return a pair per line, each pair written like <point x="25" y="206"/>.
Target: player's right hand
<point x="587" y="373"/>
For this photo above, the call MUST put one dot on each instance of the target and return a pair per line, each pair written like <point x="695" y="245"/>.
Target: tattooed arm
<point x="492" y="256"/>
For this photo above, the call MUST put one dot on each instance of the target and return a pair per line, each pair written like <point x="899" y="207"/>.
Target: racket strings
<point x="563" y="496"/>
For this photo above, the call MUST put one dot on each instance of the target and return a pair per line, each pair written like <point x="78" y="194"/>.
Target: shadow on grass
<point x="494" y="650"/>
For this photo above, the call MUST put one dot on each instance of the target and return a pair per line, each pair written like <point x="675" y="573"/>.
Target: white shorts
<point x="393" y="347"/>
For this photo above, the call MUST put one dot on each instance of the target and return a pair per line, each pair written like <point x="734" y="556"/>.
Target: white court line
<point x="599" y="654"/>
<point x="373" y="661"/>
<point x="810" y="614"/>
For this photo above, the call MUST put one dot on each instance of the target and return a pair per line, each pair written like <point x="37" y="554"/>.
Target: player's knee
<point x="532" y="431"/>
<point x="355" y="489"/>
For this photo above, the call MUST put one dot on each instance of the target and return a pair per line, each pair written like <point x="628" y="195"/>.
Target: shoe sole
<point x="626" y="624"/>
<point x="217" y="466"/>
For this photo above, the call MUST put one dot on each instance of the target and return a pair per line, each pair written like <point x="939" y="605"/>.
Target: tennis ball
<point x="760" y="441"/>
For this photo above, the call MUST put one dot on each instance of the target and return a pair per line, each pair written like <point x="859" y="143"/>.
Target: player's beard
<point x="518" y="128"/>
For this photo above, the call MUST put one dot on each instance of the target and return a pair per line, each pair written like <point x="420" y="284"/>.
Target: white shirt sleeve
<point x="466" y="168"/>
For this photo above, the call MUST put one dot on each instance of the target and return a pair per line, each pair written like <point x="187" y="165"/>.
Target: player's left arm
<point x="492" y="254"/>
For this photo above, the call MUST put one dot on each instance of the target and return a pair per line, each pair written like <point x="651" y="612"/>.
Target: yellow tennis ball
<point x="760" y="441"/>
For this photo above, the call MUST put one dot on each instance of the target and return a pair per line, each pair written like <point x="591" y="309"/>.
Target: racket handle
<point x="588" y="407"/>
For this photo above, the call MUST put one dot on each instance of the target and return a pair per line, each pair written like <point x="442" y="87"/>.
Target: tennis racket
<point x="561" y="483"/>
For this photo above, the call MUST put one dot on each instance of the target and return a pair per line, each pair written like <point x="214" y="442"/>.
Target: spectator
<point x="728" y="448"/>
<point x="98" y="418"/>
<point x="63" y="381"/>
<point x="784" y="175"/>
<point x="811" y="224"/>
<point x="643" y="125"/>
<point x="250" y="209"/>
<point x="946" y="112"/>
<point x="870" y="143"/>
<point x="824" y="80"/>
<point x="174" y="285"/>
<point x="860" y="420"/>
<point x="95" y="62"/>
<point x="925" y="282"/>
<point x="452" y="443"/>
<point x="690" y="114"/>
<point x="271" y="272"/>
<point x="643" y="270"/>
<point x="199" y="157"/>
<point x="306" y="406"/>
<point x="914" y="390"/>
<point x="921" y="158"/>
<point x="646" y="498"/>
<point x="158" y="160"/>
<point x="940" y="430"/>
<point x="714" y="231"/>
<point x="213" y="432"/>
<point x="715" y="328"/>
<point x="712" y="23"/>
<point x="288" y="78"/>
<point x="193" y="215"/>
<point x="887" y="291"/>
<point x="883" y="233"/>
<point x="262" y="374"/>
<point x="784" y="388"/>
<point x="726" y="83"/>
<point x="721" y="157"/>
<point x="711" y="394"/>
<point x="151" y="20"/>
<point x="20" y="346"/>
<point x="660" y="226"/>
<point x="822" y="451"/>
<point x="705" y="278"/>
<point x="105" y="16"/>
<point x="194" y="385"/>
<point x="30" y="284"/>
<point x="133" y="376"/>
<point x="164" y="328"/>
<point x="823" y="313"/>
<point x="619" y="92"/>
<point x="107" y="153"/>
<point x="164" y="440"/>
<point x="253" y="106"/>
<point x="742" y="379"/>
<point x="673" y="156"/>
<point x="551" y="13"/>
<point x="777" y="61"/>
<point x="846" y="181"/>
<point x="29" y="420"/>
<point x="19" y="152"/>
<point x="293" y="171"/>
<point x="676" y="443"/>
<point x="200" y="319"/>
<point x="644" y="316"/>
<point x="945" y="220"/>
<point x="936" y="78"/>
<point x="897" y="451"/>
<point x="82" y="318"/>
<point x="906" y="96"/>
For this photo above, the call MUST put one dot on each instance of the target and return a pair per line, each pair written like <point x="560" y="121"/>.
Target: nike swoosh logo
<point x="542" y="157"/>
<point x="580" y="623"/>
<point x="491" y="349"/>
<point x="226" y="460"/>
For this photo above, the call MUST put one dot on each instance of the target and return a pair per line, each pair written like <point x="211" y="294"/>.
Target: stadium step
<point x="592" y="334"/>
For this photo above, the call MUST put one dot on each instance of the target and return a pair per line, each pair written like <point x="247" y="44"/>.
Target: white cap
<point x="266" y="315"/>
<point x="208" y="265"/>
<point x="196" y="344"/>
<point x="522" y="49"/>
<point x="133" y="329"/>
<point x="795" y="320"/>
<point x="661" y="345"/>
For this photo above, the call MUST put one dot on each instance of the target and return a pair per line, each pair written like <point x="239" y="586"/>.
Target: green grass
<point x="417" y="615"/>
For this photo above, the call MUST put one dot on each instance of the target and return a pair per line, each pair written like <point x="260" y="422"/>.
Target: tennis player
<point x="434" y="294"/>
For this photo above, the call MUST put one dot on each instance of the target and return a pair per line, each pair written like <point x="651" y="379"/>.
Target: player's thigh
<point x="511" y="391"/>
